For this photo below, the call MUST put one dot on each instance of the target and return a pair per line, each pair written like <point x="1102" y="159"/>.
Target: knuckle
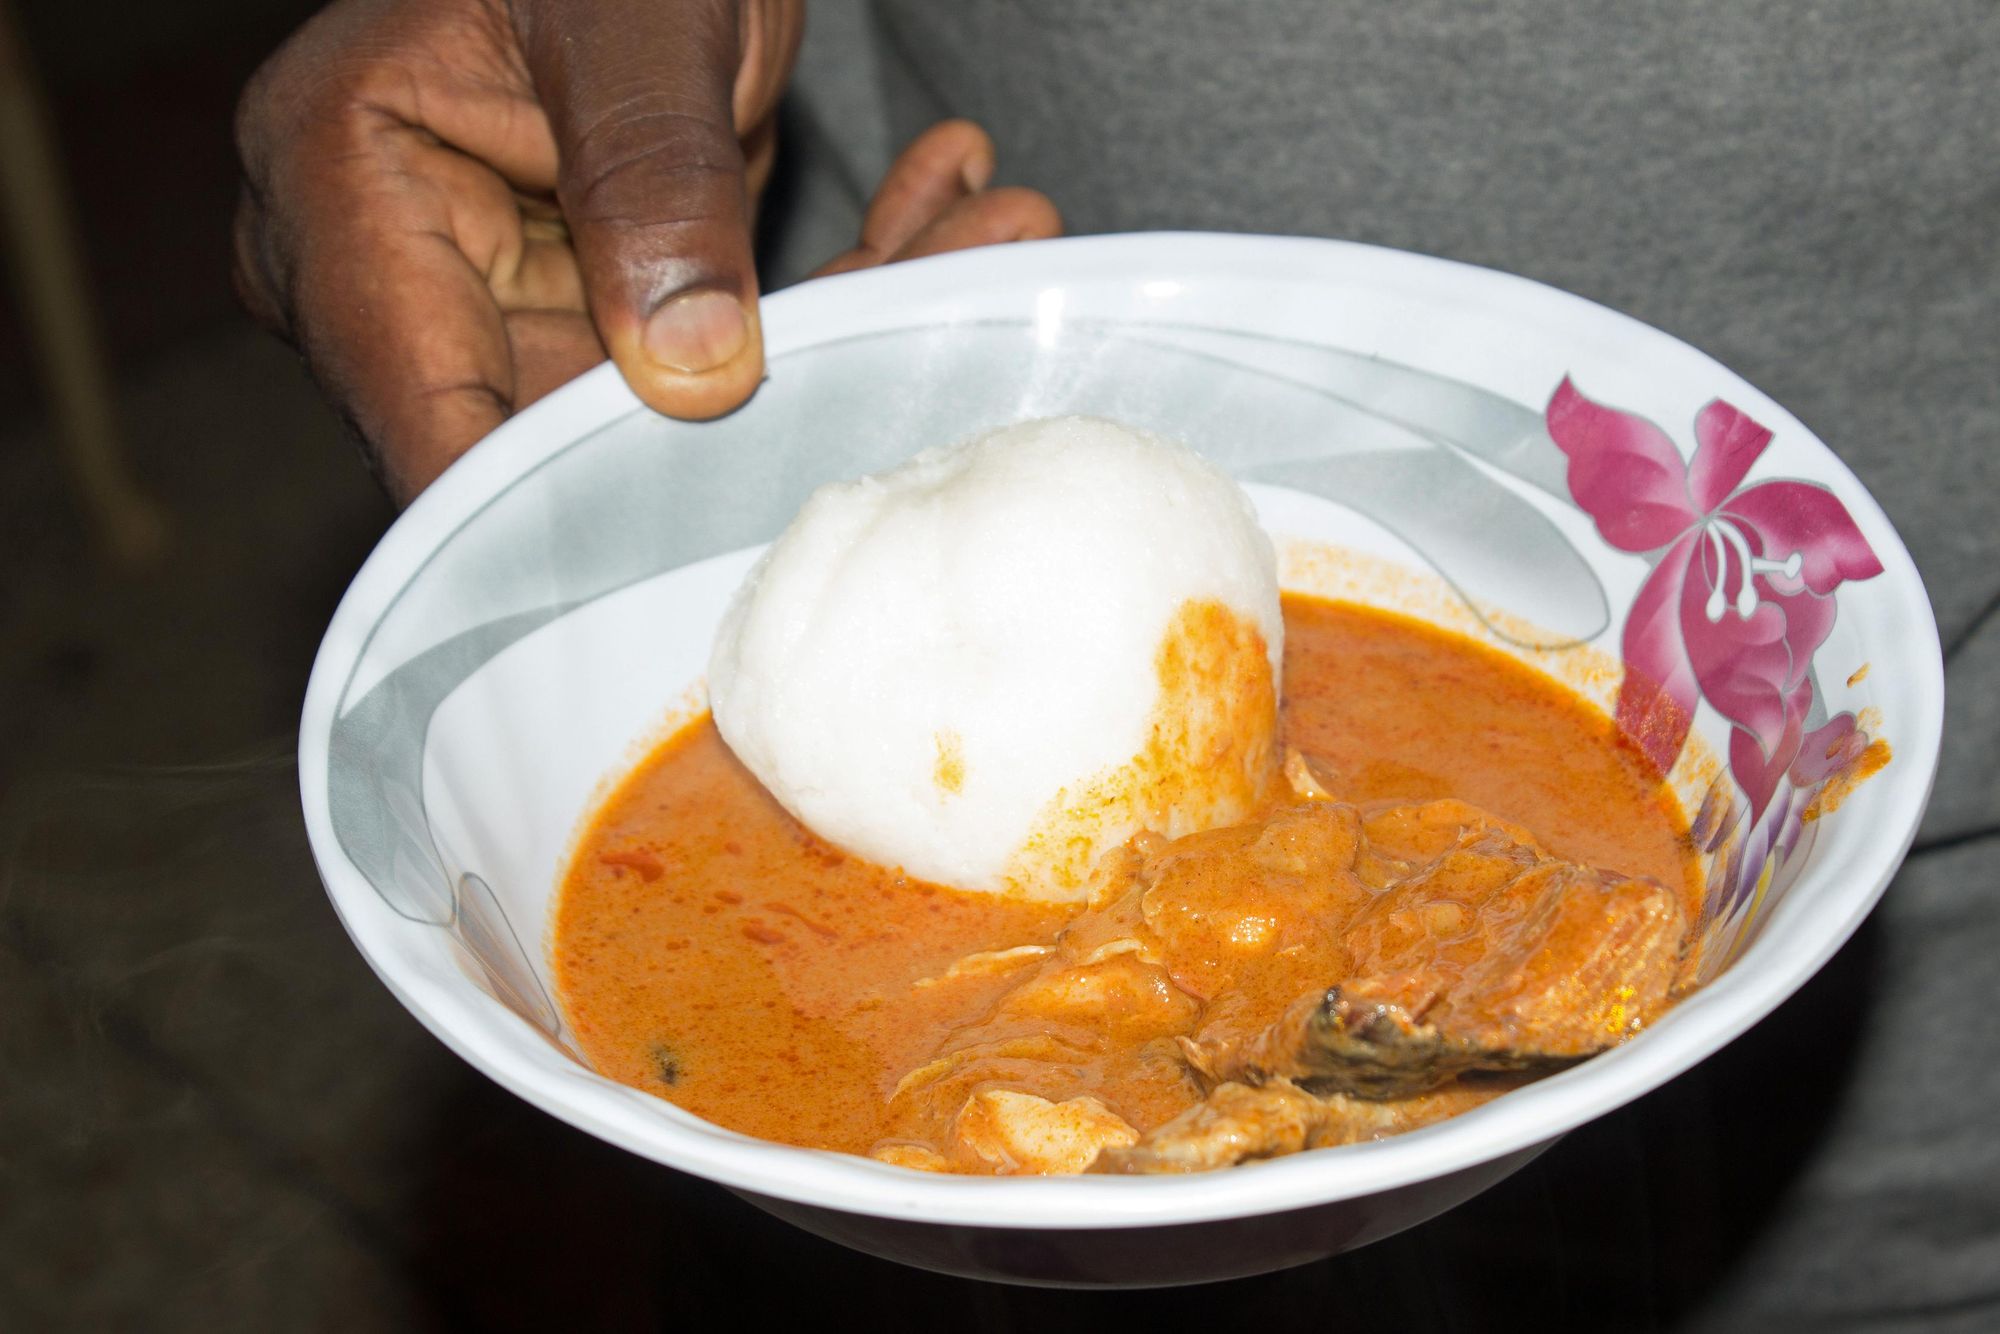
<point x="642" y="164"/>
<point x="311" y="88"/>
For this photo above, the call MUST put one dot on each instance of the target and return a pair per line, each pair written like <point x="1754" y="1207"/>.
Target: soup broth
<point x="712" y="951"/>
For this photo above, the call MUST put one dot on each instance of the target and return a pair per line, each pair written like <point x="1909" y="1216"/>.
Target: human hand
<point x="935" y="198"/>
<point x="454" y="206"/>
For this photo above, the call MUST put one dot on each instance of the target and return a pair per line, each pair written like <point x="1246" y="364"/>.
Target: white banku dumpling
<point x="999" y="660"/>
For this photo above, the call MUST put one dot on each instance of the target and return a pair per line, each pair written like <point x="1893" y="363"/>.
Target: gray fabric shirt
<point x="1810" y="192"/>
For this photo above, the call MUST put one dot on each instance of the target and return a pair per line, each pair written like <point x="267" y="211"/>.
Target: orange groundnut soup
<point x="712" y="951"/>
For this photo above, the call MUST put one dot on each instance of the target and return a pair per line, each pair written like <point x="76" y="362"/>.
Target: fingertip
<point x="975" y="152"/>
<point x="976" y="172"/>
<point x="957" y="147"/>
<point x="991" y="217"/>
<point x="951" y="161"/>
<point x="1032" y="214"/>
<point x="961" y="134"/>
<point x="699" y="356"/>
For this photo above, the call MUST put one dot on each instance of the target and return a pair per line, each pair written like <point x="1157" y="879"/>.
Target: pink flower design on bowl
<point x="1739" y="601"/>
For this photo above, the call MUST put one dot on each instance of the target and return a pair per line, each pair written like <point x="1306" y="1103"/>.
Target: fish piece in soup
<point x="1322" y="975"/>
<point x="1493" y="957"/>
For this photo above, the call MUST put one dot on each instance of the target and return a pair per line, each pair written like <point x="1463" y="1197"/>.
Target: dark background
<point x="212" y="1116"/>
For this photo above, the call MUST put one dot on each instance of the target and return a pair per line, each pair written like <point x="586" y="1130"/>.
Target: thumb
<point x="651" y="182"/>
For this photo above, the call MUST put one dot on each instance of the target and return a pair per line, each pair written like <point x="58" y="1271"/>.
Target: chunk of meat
<point x="1236" y="1123"/>
<point x="1100" y="1017"/>
<point x="1256" y="912"/>
<point x="1488" y="961"/>
<point x="1240" y="1123"/>
<point x="1330" y="1045"/>
<point x="1501" y="945"/>
<point x="1021" y="1134"/>
<point x="1325" y="974"/>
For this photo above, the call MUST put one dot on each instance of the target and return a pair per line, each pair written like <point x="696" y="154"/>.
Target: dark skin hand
<point x="454" y="206"/>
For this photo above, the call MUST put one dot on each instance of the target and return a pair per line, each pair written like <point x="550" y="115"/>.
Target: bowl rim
<point x="1773" y="967"/>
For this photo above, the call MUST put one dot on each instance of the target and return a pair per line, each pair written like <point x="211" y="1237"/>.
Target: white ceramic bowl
<point x="545" y="609"/>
